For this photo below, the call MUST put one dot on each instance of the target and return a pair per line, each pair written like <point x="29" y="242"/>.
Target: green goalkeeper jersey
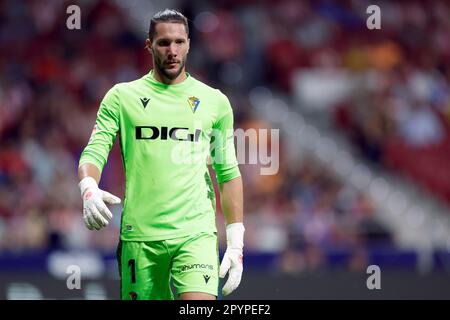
<point x="166" y="134"/>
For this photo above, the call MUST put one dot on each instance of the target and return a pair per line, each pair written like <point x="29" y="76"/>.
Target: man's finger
<point x="104" y="210"/>
<point x="110" y="198"/>
<point x="236" y="275"/>
<point x="224" y="266"/>
<point x="101" y="222"/>
<point x="91" y="220"/>
<point x="230" y="285"/>
<point x="233" y="282"/>
<point x="87" y="223"/>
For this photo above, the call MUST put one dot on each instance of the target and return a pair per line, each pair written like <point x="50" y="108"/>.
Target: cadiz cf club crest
<point x="193" y="103"/>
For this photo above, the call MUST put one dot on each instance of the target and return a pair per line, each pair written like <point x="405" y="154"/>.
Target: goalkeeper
<point x="168" y="123"/>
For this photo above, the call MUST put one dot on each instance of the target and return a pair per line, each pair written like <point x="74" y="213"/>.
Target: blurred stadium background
<point x="364" y="120"/>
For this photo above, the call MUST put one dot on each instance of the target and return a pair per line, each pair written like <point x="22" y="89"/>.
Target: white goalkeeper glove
<point x="96" y="214"/>
<point x="232" y="259"/>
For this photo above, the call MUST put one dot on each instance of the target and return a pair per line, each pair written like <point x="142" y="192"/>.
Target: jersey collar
<point x="184" y="84"/>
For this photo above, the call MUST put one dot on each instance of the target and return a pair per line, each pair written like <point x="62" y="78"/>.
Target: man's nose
<point x="173" y="50"/>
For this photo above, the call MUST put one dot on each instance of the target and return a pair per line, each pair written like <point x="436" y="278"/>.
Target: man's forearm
<point x="89" y="170"/>
<point x="231" y="197"/>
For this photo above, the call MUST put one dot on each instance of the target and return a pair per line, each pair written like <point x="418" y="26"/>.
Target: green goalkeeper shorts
<point x="146" y="268"/>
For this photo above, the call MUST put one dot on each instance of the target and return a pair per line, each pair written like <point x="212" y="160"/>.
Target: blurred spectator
<point x="419" y="126"/>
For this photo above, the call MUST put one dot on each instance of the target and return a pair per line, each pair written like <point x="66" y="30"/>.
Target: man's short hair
<point x="167" y="15"/>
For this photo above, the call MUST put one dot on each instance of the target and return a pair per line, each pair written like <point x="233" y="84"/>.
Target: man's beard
<point x="170" y="76"/>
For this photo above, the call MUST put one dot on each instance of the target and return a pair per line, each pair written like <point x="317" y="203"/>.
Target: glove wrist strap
<point x="235" y="235"/>
<point x="86" y="183"/>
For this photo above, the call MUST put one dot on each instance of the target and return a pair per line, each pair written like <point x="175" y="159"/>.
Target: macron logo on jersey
<point x="145" y="101"/>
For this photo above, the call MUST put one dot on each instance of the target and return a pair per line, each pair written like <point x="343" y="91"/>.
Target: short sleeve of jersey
<point x="223" y="153"/>
<point x="104" y="132"/>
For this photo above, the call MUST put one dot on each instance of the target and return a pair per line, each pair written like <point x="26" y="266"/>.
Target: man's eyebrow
<point x="170" y="39"/>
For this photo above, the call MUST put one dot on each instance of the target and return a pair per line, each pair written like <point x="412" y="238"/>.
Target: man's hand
<point x="232" y="259"/>
<point x="95" y="213"/>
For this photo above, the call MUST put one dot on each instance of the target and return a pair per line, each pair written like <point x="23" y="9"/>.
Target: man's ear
<point x="148" y="45"/>
<point x="188" y="44"/>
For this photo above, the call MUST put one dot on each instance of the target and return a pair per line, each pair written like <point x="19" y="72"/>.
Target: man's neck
<point x="160" y="78"/>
